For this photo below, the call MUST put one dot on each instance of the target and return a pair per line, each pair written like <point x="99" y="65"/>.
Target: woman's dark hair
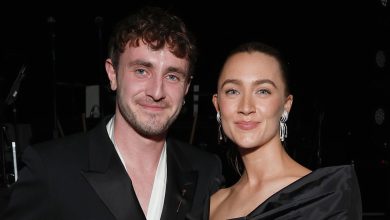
<point x="256" y="46"/>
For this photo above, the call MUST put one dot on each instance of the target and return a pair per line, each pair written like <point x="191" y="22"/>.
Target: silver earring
<point x="218" y="117"/>
<point x="283" y="126"/>
<point x="220" y="136"/>
<point x="184" y="102"/>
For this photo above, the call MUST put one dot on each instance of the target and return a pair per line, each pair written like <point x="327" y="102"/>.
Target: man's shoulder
<point x="189" y="149"/>
<point x="58" y="147"/>
<point x="70" y="141"/>
<point x="191" y="154"/>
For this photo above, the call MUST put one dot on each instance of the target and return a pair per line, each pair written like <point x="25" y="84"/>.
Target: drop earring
<point x="220" y="135"/>
<point x="219" y="127"/>
<point x="283" y="126"/>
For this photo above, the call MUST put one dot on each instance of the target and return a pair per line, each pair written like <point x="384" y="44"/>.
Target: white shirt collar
<point x="156" y="202"/>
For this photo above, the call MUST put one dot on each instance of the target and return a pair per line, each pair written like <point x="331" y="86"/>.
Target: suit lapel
<point x="109" y="178"/>
<point x="181" y="184"/>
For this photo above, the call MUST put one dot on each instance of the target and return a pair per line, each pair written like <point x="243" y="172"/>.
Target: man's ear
<point x="188" y="85"/>
<point x="111" y="73"/>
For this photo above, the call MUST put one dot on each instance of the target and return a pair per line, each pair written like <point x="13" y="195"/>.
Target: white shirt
<point x="156" y="201"/>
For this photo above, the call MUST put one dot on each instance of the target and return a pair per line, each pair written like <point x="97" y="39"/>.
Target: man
<point x="126" y="168"/>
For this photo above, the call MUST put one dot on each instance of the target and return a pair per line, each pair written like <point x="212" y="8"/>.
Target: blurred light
<point x="380" y="58"/>
<point x="379" y="116"/>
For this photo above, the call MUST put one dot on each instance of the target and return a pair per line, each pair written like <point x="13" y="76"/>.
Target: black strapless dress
<point x="326" y="193"/>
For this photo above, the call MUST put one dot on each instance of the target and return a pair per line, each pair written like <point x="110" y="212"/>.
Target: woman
<point x="252" y="103"/>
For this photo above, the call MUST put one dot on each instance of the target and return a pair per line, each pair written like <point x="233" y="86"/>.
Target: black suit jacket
<point x="82" y="178"/>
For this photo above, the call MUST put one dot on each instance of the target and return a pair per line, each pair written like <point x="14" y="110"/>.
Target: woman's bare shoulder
<point x="218" y="198"/>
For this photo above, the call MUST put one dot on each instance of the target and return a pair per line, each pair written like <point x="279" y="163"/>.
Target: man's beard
<point x="150" y="128"/>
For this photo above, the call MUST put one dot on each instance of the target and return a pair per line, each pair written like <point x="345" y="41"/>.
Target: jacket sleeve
<point x="355" y="204"/>
<point x="219" y="180"/>
<point x="213" y="171"/>
<point x="30" y="197"/>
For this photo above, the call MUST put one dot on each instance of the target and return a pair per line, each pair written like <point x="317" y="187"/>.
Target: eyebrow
<point x="149" y="64"/>
<point x="177" y="70"/>
<point x="141" y="63"/>
<point x="257" y="82"/>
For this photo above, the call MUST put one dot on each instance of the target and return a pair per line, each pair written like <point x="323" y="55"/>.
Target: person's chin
<point x="247" y="143"/>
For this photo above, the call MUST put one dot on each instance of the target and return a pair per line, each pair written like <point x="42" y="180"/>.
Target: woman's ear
<point x="215" y="102"/>
<point x="288" y="103"/>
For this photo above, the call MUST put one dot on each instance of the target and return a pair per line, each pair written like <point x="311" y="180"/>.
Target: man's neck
<point x="138" y="151"/>
<point x="140" y="156"/>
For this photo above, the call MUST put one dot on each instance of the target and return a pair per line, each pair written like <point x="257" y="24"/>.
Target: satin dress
<point x="326" y="193"/>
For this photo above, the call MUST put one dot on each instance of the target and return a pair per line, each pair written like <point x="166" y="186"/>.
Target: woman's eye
<point x="231" y="92"/>
<point x="264" y="92"/>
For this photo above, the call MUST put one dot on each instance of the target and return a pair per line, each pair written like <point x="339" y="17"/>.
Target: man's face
<point x="151" y="86"/>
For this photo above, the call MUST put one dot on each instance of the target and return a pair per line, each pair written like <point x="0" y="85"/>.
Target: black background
<point x="331" y="48"/>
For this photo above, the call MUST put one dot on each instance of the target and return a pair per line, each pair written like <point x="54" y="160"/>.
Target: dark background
<point x="332" y="49"/>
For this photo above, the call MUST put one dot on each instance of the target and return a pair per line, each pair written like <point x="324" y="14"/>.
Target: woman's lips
<point x="246" y="125"/>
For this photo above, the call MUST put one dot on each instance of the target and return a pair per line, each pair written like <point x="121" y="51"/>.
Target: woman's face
<point x="251" y="99"/>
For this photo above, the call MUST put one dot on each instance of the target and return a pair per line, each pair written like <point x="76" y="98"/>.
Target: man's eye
<point x="173" y="78"/>
<point x="140" y="71"/>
